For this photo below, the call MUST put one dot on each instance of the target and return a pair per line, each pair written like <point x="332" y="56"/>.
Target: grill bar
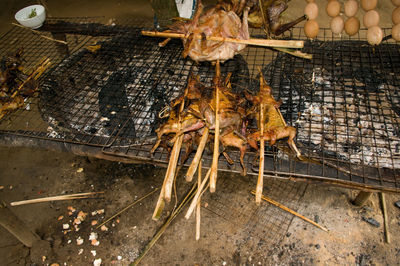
<point x="345" y="103"/>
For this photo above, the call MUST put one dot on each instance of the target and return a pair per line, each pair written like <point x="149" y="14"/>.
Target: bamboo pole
<point x="17" y="227"/>
<point x="161" y="231"/>
<point x="173" y="161"/>
<point x="214" y="165"/>
<point x="55" y="198"/>
<point x="260" y="181"/>
<point x="197" y="157"/>
<point x="283" y="207"/>
<point x="127" y="207"/>
<point x="198" y="206"/>
<point x="166" y="189"/>
<point x="257" y="42"/>
<point x="193" y="204"/>
<point x="40" y="34"/>
<point x="385" y="217"/>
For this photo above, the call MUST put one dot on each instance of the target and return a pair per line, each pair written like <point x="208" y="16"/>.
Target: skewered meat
<point x="268" y="16"/>
<point x="275" y="127"/>
<point x="215" y="21"/>
<point x="199" y="113"/>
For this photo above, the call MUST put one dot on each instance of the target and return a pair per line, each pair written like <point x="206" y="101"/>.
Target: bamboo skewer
<point x="43" y="65"/>
<point x="260" y="181"/>
<point x="197" y="157"/>
<point x="257" y="42"/>
<point x="127" y="207"/>
<point x="173" y="161"/>
<point x="40" y="34"/>
<point x="56" y="198"/>
<point x="159" y="233"/>
<point x="197" y="196"/>
<point x="198" y="206"/>
<point x="277" y="204"/>
<point x="214" y="165"/>
<point x="385" y="217"/>
<point x="166" y="189"/>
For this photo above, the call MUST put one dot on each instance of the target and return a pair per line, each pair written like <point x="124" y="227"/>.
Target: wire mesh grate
<point x="109" y="89"/>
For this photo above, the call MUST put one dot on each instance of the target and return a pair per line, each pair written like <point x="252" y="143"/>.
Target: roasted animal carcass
<point x="275" y="127"/>
<point x="199" y="113"/>
<point x="264" y="14"/>
<point x="215" y="21"/>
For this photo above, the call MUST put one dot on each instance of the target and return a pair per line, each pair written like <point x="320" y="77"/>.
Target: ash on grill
<point x="119" y="89"/>
<point x="345" y="103"/>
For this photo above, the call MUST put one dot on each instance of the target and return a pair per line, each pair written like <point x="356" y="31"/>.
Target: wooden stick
<point x="40" y="34"/>
<point x="198" y="206"/>
<point x="259" y="188"/>
<point x="385" y="217"/>
<point x="17" y="227"/>
<point x="214" y="165"/>
<point x="173" y="161"/>
<point x="43" y="65"/>
<point x="296" y="53"/>
<point x="127" y="207"/>
<point x="277" y="204"/>
<point x="257" y="42"/>
<point x="55" y="198"/>
<point x="159" y="233"/>
<point x="193" y="204"/>
<point x="197" y="157"/>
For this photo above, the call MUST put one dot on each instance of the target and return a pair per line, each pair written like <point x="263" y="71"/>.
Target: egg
<point x="337" y="25"/>
<point x="374" y="35"/>
<point x="351" y="26"/>
<point x="371" y="18"/>
<point x="311" y="10"/>
<point x="396" y="16"/>
<point x="333" y="8"/>
<point x="396" y="2"/>
<point x="396" y="32"/>
<point x="310" y="1"/>
<point x="311" y="28"/>
<point x="351" y="8"/>
<point x="368" y="4"/>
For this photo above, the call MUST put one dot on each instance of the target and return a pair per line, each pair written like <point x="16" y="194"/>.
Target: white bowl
<point x="22" y="16"/>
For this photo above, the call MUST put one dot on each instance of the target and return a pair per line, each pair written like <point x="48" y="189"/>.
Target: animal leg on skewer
<point x="214" y="165"/>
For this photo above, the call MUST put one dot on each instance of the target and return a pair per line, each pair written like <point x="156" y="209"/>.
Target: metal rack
<point x="344" y="102"/>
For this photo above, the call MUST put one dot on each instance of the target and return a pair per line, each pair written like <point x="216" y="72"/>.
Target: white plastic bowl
<point x="22" y="16"/>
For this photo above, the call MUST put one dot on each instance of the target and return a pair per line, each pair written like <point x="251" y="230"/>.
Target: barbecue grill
<point x="105" y="101"/>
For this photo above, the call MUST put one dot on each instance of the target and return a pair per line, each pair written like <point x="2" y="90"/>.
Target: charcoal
<point x="372" y="221"/>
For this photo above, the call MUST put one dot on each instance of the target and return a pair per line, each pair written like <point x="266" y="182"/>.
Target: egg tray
<point x="109" y="99"/>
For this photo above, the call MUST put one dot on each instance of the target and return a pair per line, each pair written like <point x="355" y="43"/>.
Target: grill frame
<point x="27" y="123"/>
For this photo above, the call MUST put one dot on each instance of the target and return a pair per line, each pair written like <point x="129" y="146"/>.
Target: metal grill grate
<point x="344" y="102"/>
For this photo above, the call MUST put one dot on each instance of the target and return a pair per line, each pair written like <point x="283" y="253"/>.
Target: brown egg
<point x="311" y="28"/>
<point x="396" y="32"/>
<point x="368" y="4"/>
<point x="396" y="16"/>
<point x="374" y="35"/>
<point x="351" y="26"/>
<point x="337" y="25"/>
<point x="396" y="2"/>
<point x="311" y="10"/>
<point x="333" y="8"/>
<point x="371" y="18"/>
<point x="351" y="8"/>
